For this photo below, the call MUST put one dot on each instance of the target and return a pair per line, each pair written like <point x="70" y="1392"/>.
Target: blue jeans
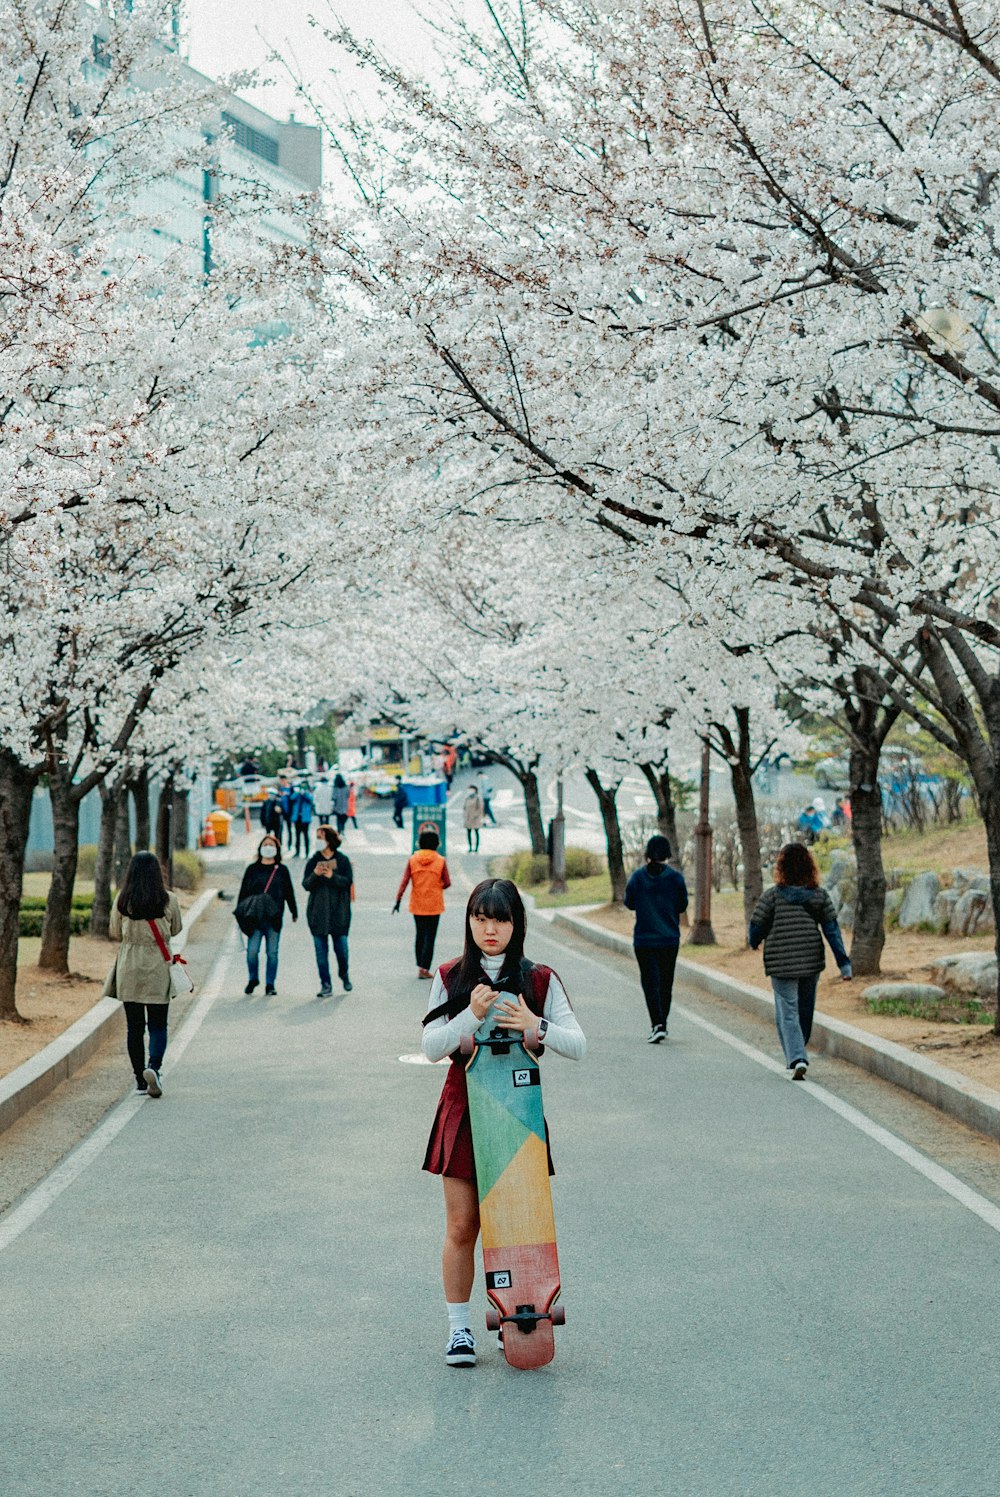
<point x="272" y="937"/>
<point x="323" y="958"/>
<point x="794" y="1002"/>
<point x="137" y="1017"/>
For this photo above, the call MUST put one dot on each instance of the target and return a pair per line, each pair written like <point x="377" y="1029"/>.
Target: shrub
<point x="527" y="868"/>
<point x="582" y="863"/>
<point x="86" y="860"/>
<point x="30" y="922"/>
<point x="189" y="870"/>
<point x="38" y="902"/>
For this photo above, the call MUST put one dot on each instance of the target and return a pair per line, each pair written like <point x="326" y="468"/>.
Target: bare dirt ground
<point x="972" y="1049"/>
<point x="51" y="1003"/>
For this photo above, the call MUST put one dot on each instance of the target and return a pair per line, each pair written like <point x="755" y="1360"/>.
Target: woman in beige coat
<point x="473" y="816"/>
<point x="140" y="978"/>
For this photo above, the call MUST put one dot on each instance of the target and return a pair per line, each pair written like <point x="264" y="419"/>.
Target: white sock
<point x="459" y="1316"/>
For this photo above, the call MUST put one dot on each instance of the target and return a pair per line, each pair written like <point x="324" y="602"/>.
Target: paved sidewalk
<point x="240" y="1296"/>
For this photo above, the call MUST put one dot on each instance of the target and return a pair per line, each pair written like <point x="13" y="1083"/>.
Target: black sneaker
<point x="152" y="1080"/>
<point x="656" y="1035"/>
<point x="348" y="985"/>
<point x="270" y="992"/>
<point x="798" y="1069"/>
<point x="461" y="1350"/>
<point x="251" y="985"/>
<point x="141" y="1089"/>
<point x="325" y="993"/>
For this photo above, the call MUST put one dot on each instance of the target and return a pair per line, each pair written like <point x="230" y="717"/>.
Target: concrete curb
<point x="974" y="1105"/>
<point x="37" y="1077"/>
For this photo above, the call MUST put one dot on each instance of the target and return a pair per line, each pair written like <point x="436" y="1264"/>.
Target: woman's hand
<point x="514" y="1013"/>
<point x="481" y="999"/>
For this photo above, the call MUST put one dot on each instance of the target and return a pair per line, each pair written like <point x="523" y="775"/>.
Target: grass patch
<point x="955" y="1011"/>
<point x="593" y="890"/>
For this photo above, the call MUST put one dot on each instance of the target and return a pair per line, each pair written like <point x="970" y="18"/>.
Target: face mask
<point x="268" y="850"/>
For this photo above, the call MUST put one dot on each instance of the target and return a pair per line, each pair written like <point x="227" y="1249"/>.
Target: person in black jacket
<point x="266" y="875"/>
<point x="788" y="919"/>
<point x="329" y="879"/>
<point x="659" y="895"/>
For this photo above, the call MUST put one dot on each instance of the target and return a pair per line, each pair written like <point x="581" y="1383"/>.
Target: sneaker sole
<point x="461" y="1359"/>
<point x="153" y="1087"/>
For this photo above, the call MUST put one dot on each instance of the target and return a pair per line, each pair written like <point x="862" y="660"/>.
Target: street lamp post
<point x="702" y="933"/>
<point x="557" y="847"/>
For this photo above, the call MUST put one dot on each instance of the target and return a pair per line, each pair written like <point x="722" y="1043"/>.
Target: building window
<point x="253" y="140"/>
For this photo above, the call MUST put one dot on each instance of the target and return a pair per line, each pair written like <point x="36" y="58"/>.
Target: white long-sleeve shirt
<point x="443" y="1036"/>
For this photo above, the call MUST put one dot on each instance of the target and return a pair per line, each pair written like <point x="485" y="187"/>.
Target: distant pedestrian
<point x="302" y="815"/>
<point x="249" y="766"/>
<point x="270" y="815"/>
<point x="143" y="918"/>
<point x="352" y="803"/>
<point x="486" y="794"/>
<point x="472" y="817"/>
<point x="659" y="895"/>
<point x="399" y="803"/>
<point x="323" y="798"/>
<point x="810" y="823"/>
<point x="329" y="879"/>
<point x="286" y="796"/>
<point x="340" y="796"/>
<point x="428" y="874"/>
<point x="528" y="1001"/>
<point x="788" y="919"/>
<point x="260" y="907"/>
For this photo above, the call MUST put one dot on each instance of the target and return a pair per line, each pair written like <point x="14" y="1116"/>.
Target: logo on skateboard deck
<point x="527" y="1078"/>
<point x="500" y="1279"/>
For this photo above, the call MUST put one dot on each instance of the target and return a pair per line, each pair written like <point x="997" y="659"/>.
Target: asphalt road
<point x="239" y="1294"/>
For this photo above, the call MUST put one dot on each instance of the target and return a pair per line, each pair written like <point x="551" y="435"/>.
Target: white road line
<point x="935" y="1173"/>
<point x="72" y="1167"/>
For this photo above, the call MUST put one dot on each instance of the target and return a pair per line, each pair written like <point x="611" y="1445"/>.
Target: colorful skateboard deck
<point x="515" y="1200"/>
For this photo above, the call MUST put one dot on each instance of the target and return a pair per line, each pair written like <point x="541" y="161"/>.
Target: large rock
<point x="845" y="916"/>
<point x="972" y="972"/>
<point x="944" y="910"/>
<point x="969" y="878"/>
<point x="915" y="994"/>
<point x="841" y="867"/>
<point x="893" y="900"/>
<point x="972" y="913"/>
<point x="918" y="902"/>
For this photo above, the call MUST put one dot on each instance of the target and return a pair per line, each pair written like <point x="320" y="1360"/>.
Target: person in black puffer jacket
<point x="789" y="919"/>
<point x="268" y="875"/>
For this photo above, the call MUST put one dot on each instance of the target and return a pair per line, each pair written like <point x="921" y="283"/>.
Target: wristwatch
<point x="541" y="1028"/>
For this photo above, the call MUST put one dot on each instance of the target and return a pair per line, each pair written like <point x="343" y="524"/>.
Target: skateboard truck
<point x="526" y="1317"/>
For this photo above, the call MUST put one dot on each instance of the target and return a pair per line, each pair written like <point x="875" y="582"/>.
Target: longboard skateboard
<point x="515" y="1200"/>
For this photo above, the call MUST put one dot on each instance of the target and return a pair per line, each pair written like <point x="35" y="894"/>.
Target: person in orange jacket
<point x="352" y="803"/>
<point x="427" y="873"/>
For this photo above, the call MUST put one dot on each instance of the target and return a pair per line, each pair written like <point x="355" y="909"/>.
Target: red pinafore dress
<point x="449" y="1148"/>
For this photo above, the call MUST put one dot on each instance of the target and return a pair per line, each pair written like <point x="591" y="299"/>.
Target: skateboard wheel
<point x="466" y="1044"/>
<point x="493" y="1320"/>
<point x="558" y="1314"/>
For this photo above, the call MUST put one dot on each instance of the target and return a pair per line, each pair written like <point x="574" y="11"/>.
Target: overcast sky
<point x="225" y="37"/>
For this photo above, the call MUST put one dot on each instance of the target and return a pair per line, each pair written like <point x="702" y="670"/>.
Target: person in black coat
<point x="266" y="875"/>
<point x="329" y="879"/>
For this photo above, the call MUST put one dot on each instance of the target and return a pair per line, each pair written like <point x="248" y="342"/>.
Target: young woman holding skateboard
<point x="492" y="973"/>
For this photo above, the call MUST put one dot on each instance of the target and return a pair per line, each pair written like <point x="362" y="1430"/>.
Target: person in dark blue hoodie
<point x="659" y="896"/>
<point x="788" y="919"/>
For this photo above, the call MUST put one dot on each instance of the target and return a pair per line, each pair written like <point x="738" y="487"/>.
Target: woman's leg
<point x="807" y="1005"/>
<point x="458" y="1267"/>
<point x="272" y="937"/>
<point x="341" y="953"/>
<point x="135" y="1020"/>
<point x="430" y="936"/>
<point x="649" y="977"/>
<point x="668" y="963"/>
<point x="468" y="838"/>
<point x="253" y="954"/>
<point x="156" y="1018"/>
<point x="786" y="1017"/>
<point x="322" y="960"/>
<point x="418" y="939"/>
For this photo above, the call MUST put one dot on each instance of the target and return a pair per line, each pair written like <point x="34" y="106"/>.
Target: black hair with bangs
<point x="497" y="899"/>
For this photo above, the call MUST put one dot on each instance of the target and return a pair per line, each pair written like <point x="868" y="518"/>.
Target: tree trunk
<point x="607" y="800"/>
<point x="533" y="810"/>
<point x="54" y="955"/>
<point x="143" y="826"/>
<point x="658" y="778"/>
<point x="991" y="820"/>
<point x="737" y="755"/>
<point x="868" y="936"/>
<point x="164" y="818"/>
<point x="122" y="835"/>
<point x="104" y="862"/>
<point x="181" y="805"/>
<point x="16" y="787"/>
